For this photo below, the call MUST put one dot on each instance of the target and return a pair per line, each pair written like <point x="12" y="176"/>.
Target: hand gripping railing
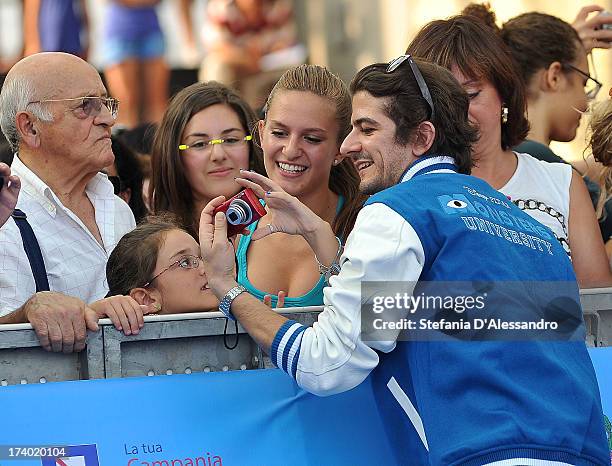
<point x="167" y="344"/>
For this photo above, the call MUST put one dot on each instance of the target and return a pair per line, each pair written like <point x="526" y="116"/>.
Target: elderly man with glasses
<point x="57" y="117"/>
<point x="430" y="240"/>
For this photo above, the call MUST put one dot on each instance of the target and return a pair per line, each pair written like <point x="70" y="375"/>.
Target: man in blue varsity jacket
<point x="444" y="401"/>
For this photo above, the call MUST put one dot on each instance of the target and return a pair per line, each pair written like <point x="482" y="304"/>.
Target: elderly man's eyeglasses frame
<point x="91" y="106"/>
<point x="395" y="63"/>
<point x="594" y="87"/>
<point x="185" y="262"/>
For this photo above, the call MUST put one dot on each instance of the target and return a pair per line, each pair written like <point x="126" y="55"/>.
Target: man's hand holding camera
<point x="286" y="212"/>
<point x="219" y="264"/>
<point x="217" y="250"/>
<point x="288" y="215"/>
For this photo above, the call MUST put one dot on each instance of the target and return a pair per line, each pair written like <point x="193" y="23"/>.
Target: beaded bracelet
<point x="334" y="268"/>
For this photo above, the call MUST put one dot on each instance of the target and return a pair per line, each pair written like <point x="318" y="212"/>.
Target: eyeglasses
<point x="90" y="106"/>
<point x="395" y="63"/>
<point x="592" y="85"/>
<point x="185" y="262"/>
<point x="229" y="142"/>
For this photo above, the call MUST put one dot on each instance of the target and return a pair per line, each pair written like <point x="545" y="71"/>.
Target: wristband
<point x="226" y="302"/>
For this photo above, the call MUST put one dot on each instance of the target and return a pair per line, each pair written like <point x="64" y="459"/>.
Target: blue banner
<point x="240" y="418"/>
<point x="602" y="362"/>
<point x="208" y="419"/>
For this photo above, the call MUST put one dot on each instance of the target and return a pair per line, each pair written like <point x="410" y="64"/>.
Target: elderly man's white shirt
<point x="75" y="261"/>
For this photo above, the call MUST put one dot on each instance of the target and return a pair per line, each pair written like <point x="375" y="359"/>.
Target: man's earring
<point x="336" y="161"/>
<point x="504" y="115"/>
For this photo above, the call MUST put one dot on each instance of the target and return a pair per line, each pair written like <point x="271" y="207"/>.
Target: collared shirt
<point x="75" y="261"/>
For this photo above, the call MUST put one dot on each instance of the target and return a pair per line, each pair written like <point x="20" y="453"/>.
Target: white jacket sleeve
<point x="330" y="356"/>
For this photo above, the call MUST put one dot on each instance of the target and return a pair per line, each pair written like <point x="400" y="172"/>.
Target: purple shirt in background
<point x="59" y="26"/>
<point x="130" y="23"/>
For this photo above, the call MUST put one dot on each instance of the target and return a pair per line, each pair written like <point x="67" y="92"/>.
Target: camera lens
<point x="238" y="212"/>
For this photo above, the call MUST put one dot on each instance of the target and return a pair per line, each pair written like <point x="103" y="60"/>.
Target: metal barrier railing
<point x="597" y="309"/>
<point x="186" y="343"/>
<point x="167" y="344"/>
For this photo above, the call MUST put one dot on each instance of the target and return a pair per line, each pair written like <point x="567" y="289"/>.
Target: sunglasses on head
<point x="396" y="62"/>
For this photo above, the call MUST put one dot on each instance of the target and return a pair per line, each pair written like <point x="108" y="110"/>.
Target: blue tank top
<point x="313" y="298"/>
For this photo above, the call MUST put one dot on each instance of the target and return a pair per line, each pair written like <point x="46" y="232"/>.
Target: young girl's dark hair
<point x="132" y="262"/>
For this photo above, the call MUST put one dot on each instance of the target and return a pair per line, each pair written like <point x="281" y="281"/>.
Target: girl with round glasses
<point x="202" y="142"/>
<point x="551" y="193"/>
<point x="159" y="264"/>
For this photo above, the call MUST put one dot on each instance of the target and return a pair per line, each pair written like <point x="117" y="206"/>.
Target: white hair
<point x="16" y="95"/>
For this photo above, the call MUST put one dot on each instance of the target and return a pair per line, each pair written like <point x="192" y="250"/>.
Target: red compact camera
<point x="241" y="210"/>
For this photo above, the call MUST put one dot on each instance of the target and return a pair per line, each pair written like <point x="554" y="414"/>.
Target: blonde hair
<point x="322" y="82"/>
<point x="343" y="179"/>
<point x="601" y="148"/>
